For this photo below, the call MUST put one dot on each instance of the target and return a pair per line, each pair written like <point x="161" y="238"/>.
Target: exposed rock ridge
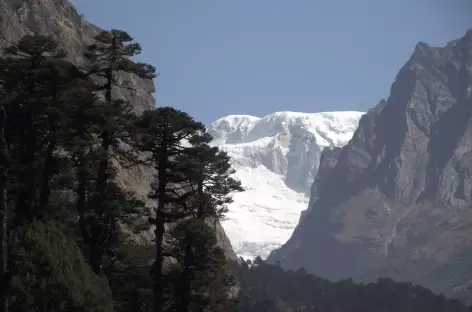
<point x="328" y="160"/>
<point x="400" y="191"/>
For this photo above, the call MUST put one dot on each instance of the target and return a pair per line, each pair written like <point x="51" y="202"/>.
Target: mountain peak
<point x="329" y="128"/>
<point x="276" y="158"/>
<point x="400" y="192"/>
<point x="468" y="34"/>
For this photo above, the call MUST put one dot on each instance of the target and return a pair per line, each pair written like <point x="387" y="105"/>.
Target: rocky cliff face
<point x="397" y="199"/>
<point x="328" y="160"/>
<point x="60" y="19"/>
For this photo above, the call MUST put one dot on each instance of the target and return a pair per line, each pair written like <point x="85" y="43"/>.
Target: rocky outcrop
<point x="397" y="202"/>
<point x="328" y="160"/>
<point x="60" y="19"/>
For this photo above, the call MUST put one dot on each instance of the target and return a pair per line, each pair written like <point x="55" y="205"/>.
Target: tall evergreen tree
<point x="32" y="78"/>
<point x="163" y="135"/>
<point x="83" y="114"/>
<point x="81" y="117"/>
<point x="209" y="173"/>
<point x="212" y="184"/>
<point x="59" y="77"/>
<point x="110" y="55"/>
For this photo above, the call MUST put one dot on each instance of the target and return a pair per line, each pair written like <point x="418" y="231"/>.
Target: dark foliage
<point x="109" y="55"/>
<point x="202" y="279"/>
<point x="51" y="273"/>
<point x="269" y="288"/>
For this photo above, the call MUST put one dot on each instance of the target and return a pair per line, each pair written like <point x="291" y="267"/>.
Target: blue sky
<point x="220" y="57"/>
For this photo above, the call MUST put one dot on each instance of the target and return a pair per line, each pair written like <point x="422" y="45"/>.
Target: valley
<point x="114" y="198"/>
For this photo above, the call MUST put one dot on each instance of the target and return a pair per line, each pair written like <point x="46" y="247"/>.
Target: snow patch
<point x="266" y="152"/>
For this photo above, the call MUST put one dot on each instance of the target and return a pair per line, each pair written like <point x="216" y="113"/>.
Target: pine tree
<point x="211" y="170"/>
<point x="203" y="264"/>
<point x="109" y="56"/>
<point x="83" y="117"/>
<point x="59" y="76"/>
<point x="163" y="135"/>
<point x="33" y="76"/>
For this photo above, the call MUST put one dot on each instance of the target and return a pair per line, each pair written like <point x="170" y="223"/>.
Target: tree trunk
<point x="102" y="177"/>
<point x="3" y="214"/>
<point x="157" y="267"/>
<point x="186" y="278"/>
<point x="46" y="177"/>
<point x="96" y="238"/>
<point x="99" y="205"/>
<point x="159" y="231"/>
<point x="201" y="203"/>
<point x="94" y="259"/>
<point x="82" y="200"/>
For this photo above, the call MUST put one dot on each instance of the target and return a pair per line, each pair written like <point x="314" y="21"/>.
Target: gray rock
<point x="328" y="160"/>
<point x="60" y="19"/>
<point x="400" y="192"/>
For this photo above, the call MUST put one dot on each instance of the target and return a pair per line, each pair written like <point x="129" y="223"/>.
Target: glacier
<point x="276" y="158"/>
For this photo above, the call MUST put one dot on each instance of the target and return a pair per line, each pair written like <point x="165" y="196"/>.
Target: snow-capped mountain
<point x="276" y="158"/>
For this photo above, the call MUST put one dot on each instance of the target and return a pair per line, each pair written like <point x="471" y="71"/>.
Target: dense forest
<point x="67" y="225"/>
<point x="267" y="288"/>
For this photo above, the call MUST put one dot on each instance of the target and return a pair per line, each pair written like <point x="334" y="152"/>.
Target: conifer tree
<point x="33" y="76"/>
<point x="212" y="184"/>
<point x="109" y="56"/>
<point x="59" y="76"/>
<point x="202" y="262"/>
<point x="163" y="135"/>
<point x="83" y="116"/>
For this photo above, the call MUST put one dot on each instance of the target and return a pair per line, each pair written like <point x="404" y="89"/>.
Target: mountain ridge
<point x="275" y="157"/>
<point x="398" y="198"/>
